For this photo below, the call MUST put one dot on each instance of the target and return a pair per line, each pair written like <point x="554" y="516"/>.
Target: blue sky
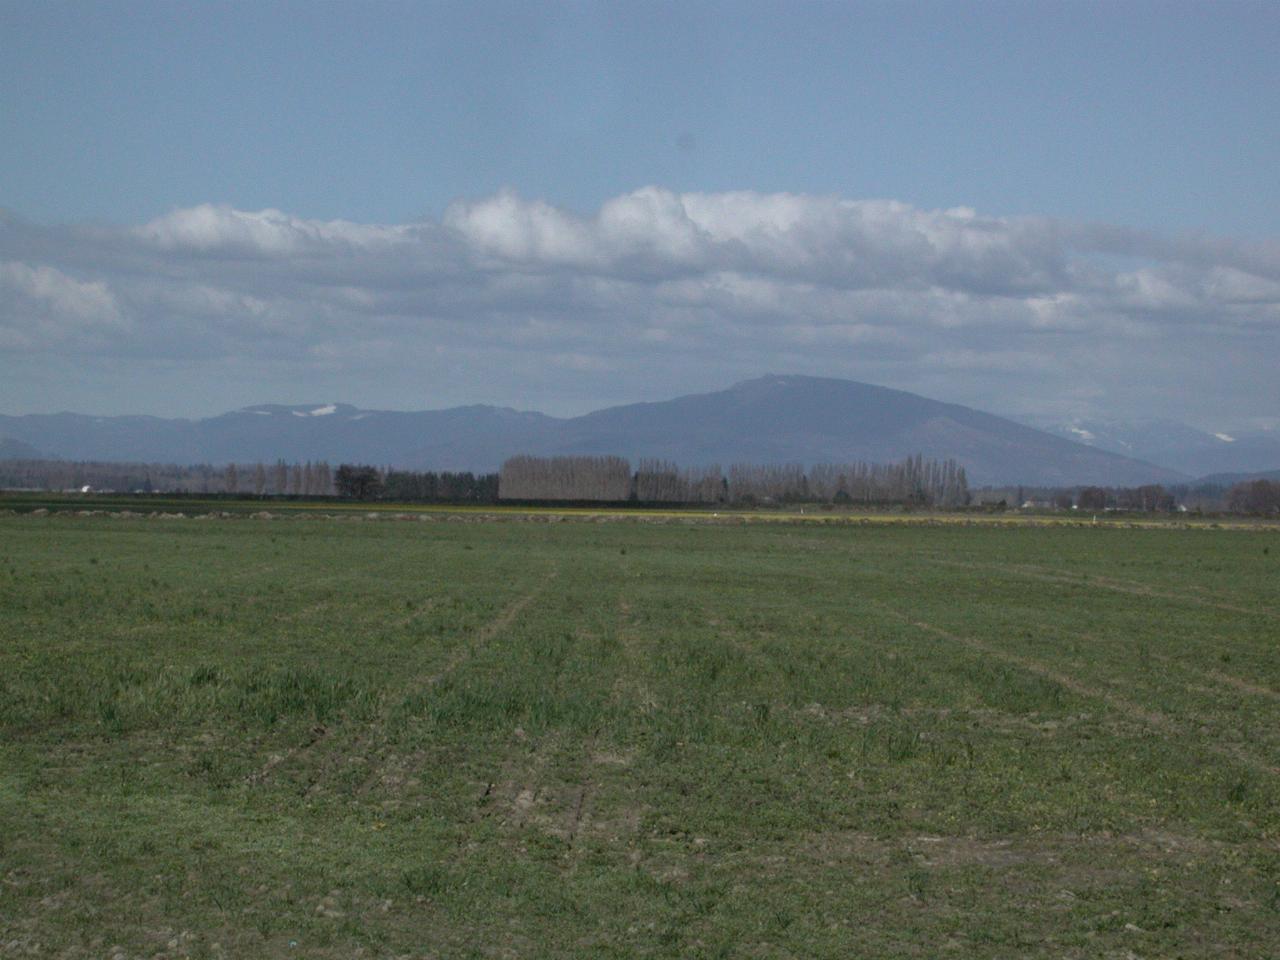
<point x="1158" y="115"/>
<point x="1161" y="120"/>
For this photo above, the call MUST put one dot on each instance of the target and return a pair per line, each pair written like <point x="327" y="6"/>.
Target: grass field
<point x="326" y="738"/>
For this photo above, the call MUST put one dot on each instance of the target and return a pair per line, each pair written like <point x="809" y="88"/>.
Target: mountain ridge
<point x="769" y="419"/>
<point x="1176" y="445"/>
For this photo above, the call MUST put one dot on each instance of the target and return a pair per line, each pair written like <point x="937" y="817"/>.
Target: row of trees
<point x="661" y="481"/>
<point x="1254" y="497"/>
<point x="1150" y="498"/>
<point x="98" y="475"/>
<point x="280" y="479"/>
<point x="364" y="482"/>
<point x="940" y="483"/>
<point x="310" y="479"/>
<point x="565" y="478"/>
<point x="914" y="480"/>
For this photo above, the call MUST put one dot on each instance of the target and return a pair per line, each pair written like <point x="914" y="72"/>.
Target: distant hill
<point x="17" y="450"/>
<point x="810" y="419"/>
<point x="774" y="419"/>
<point x="1177" y="445"/>
<point x="476" y="437"/>
<point x="1231" y="479"/>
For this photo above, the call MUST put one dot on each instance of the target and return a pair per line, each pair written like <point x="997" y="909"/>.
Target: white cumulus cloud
<point x="210" y="227"/>
<point x="658" y="291"/>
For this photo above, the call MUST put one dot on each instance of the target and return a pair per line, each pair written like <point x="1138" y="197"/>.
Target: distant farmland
<point x="304" y="738"/>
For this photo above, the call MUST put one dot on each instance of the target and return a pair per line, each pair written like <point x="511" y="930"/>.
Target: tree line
<point x="565" y="478"/>
<point x="101" y="475"/>
<point x="280" y="479"/>
<point x="1254" y="497"/>
<point x="1149" y="498"/>
<point x="914" y="480"/>
<point x="310" y="479"/>
<point x="365" y="482"/>
<point x="1259" y="497"/>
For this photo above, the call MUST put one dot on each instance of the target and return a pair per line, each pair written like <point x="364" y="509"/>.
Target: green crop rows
<point x="325" y="738"/>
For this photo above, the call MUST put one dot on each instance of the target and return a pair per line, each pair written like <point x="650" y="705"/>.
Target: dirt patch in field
<point x="532" y="792"/>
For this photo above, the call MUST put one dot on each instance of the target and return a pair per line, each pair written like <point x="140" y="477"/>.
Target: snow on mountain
<point x="1177" y="445"/>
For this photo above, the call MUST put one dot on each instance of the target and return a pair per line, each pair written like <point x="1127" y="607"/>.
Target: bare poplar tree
<point x="565" y="478"/>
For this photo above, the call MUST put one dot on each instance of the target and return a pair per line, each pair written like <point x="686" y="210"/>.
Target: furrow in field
<point x="1152" y="718"/>
<point x="1241" y="684"/>
<point x="263" y="773"/>
<point x="1222" y="679"/>
<point x="629" y="678"/>
<point x="250" y="573"/>
<point x="554" y="791"/>
<point x="424" y="608"/>
<point x="304" y="613"/>
<point x="499" y="624"/>
<point x="1133" y="589"/>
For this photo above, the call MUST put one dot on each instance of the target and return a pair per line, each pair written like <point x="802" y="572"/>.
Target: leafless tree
<point x="565" y="478"/>
<point x="1255" y="497"/>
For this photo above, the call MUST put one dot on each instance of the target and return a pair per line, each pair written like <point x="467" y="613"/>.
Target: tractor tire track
<point x="1154" y="719"/>
<point x="499" y="624"/>
<point x="483" y="636"/>
<point x="1130" y="588"/>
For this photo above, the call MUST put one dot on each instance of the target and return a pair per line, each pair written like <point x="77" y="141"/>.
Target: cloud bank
<point x="518" y="301"/>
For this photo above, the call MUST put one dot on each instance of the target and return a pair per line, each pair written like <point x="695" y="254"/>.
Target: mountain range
<point x="1176" y="445"/>
<point x="772" y="419"/>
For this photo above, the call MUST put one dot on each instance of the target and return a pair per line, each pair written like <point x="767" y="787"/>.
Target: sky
<point x="1047" y="211"/>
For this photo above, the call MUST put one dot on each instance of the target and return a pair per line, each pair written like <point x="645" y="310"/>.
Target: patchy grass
<point x="310" y="738"/>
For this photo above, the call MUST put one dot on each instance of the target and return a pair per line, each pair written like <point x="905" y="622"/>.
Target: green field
<point x="656" y="737"/>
